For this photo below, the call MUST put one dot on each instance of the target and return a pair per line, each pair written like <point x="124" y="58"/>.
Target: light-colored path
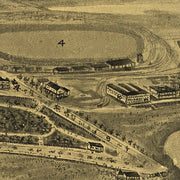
<point x="54" y="127"/>
<point x="106" y="138"/>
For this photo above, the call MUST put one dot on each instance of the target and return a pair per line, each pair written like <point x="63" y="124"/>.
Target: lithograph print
<point x="90" y="90"/>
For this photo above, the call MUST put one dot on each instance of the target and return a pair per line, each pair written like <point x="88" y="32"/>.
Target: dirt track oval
<point x="79" y="44"/>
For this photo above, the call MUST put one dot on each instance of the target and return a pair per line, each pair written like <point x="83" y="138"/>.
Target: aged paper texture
<point x="89" y="90"/>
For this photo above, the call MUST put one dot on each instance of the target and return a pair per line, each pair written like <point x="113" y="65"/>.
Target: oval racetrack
<point x="78" y="44"/>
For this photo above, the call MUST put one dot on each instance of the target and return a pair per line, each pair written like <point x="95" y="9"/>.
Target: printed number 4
<point x="62" y="43"/>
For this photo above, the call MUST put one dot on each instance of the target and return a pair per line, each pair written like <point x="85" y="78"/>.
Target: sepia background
<point x="60" y="63"/>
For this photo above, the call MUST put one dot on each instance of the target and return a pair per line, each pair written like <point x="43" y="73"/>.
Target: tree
<point x="95" y="122"/>
<point x="87" y="118"/>
<point x="124" y="138"/>
<point x="111" y="131"/>
<point x="142" y="150"/>
<point x="130" y="142"/>
<point x="134" y="145"/>
<point x="17" y="87"/>
<point x="32" y="83"/>
<point x="100" y="126"/>
<point x="127" y="148"/>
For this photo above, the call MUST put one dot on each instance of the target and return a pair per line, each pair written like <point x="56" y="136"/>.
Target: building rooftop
<point x="95" y="144"/>
<point x="128" y="173"/>
<point x="131" y="174"/>
<point x="120" y="62"/>
<point x="61" y="69"/>
<point x="79" y="68"/>
<point x="56" y="86"/>
<point x="42" y="80"/>
<point x="126" y="90"/>
<point x="100" y="65"/>
<point x="162" y="89"/>
<point x="132" y="88"/>
<point x="136" y="87"/>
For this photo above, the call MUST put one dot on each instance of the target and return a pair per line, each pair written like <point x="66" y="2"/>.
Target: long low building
<point x="128" y="93"/>
<point x="127" y="175"/>
<point x="124" y="64"/>
<point x="56" y="90"/>
<point x="164" y="92"/>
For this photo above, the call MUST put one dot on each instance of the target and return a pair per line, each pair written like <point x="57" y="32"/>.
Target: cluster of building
<point x="50" y="88"/>
<point x="110" y="65"/>
<point x="22" y="68"/>
<point x="4" y="83"/>
<point x="129" y="93"/>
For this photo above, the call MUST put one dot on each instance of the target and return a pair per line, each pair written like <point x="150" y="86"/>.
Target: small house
<point x="127" y="175"/>
<point x="97" y="147"/>
<point x="4" y="83"/>
<point x="59" y="70"/>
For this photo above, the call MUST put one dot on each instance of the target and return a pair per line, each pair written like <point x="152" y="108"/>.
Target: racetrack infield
<point x="78" y="44"/>
<point x="84" y="43"/>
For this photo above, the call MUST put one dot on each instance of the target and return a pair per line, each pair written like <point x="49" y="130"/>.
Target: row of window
<point x="112" y="91"/>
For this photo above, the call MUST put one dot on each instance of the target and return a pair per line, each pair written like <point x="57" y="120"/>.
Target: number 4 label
<point x="62" y="43"/>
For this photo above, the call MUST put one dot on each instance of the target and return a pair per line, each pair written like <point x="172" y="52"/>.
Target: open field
<point x="172" y="148"/>
<point x="20" y="139"/>
<point x="90" y="90"/>
<point x="146" y="130"/>
<point x="19" y="121"/>
<point x="63" y="123"/>
<point x="40" y="43"/>
<point x="59" y="139"/>
<point x="92" y="44"/>
<point x="23" y="167"/>
<point x="18" y="100"/>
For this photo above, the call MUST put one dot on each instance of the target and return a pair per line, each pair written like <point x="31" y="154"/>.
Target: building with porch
<point x="127" y="175"/>
<point x="121" y="64"/>
<point x="56" y="91"/>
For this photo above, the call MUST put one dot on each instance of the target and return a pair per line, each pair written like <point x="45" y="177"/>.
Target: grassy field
<point x="63" y="123"/>
<point x="146" y="130"/>
<point x="18" y="100"/>
<point x="59" y="139"/>
<point x="92" y="44"/>
<point x="19" y="139"/>
<point x="19" y="121"/>
<point x="23" y="167"/>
